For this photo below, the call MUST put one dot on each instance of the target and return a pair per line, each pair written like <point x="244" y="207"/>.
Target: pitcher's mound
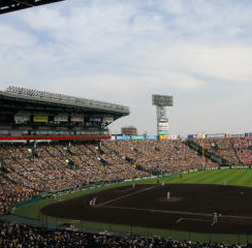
<point x="172" y="199"/>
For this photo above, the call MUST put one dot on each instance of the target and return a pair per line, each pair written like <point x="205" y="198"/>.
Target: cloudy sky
<point x="123" y="51"/>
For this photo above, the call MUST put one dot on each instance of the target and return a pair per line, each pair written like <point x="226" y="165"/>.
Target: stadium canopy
<point x="13" y="5"/>
<point x="20" y="94"/>
<point x="27" y="114"/>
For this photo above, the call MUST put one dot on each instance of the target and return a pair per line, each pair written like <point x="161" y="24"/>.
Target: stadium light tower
<point x="161" y="102"/>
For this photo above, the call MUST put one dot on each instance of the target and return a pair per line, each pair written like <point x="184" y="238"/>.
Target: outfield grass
<point x="239" y="177"/>
<point x="230" y="177"/>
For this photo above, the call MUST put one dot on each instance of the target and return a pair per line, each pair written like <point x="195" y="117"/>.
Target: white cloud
<point x="229" y="62"/>
<point x="108" y="84"/>
<point x="123" y="51"/>
<point x="44" y="19"/>
<point x="13" y="37"/>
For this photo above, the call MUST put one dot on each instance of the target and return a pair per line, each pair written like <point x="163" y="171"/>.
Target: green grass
<point x="231" y="177"/>
<point x="238" y="177"/>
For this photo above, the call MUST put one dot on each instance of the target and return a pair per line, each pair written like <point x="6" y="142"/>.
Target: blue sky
<point x="124" y="51"/>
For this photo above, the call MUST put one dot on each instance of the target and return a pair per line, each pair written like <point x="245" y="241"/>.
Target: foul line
<point x="124" y="196"/>
<point x="160" y="211"/>
<point x="179" y="212"/>
<point x="192" y="219"/>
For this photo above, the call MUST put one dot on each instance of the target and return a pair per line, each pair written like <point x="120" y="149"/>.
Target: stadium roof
<point x="13" y="5"/>
<point x="23" y="94"/>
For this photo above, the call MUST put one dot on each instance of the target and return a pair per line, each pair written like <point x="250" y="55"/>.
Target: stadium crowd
<point x="235" y="150"/>
<point x="158" y="157"/>
<point x="29" y="169"/>
<point x="26" y="170"/>
<point x="11" y="194"/>
<point x="20" y="235"/>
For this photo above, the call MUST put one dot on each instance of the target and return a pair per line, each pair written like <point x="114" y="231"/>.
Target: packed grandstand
<point x="27" y="171"/>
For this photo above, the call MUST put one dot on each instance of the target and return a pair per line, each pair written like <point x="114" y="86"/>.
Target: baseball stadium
<point x="67" y="181"/>
<point x="61" y="169"/>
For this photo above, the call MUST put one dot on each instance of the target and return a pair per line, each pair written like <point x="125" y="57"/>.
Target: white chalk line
<point x="180" y="212"/>
<point x="125" y="196"/>
<point x="191" y="219"/>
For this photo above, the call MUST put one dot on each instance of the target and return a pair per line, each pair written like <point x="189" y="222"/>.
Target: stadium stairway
<point x="208" y="154"/>
<point x="9" y="179"/>
<point x="236" y="153"/>
<point x="113" y="152"/>
<point x="126" y="160"/>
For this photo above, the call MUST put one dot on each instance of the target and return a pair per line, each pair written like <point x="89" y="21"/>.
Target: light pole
<point x="161" y="102"/>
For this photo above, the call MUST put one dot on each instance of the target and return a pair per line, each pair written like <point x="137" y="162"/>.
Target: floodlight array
<point x="162" y="100"/>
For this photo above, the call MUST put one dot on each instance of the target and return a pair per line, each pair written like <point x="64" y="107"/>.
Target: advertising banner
<point x="163" y="120"/>
<point x="123" y="137"/>
<point x="163" y="132"/>
<point x="237" y="135"/>
<point x="77" y="118"/>
<point x="201" y="136"/>
<point x="248" y="134"/>
<point x="137" y="137"/>
<point x="151" y="137"/>
<point x="163" y="137"/>
<point x="61" y="118"/>
<point x="95" y="119"/>
<point x="216" y="135"/>
<point x="21" y="119"/>
<point x="163" y="124"/>
<point x="173" y="137"/>
<point x="192" y="136"/>
<point x="40" y="118"/>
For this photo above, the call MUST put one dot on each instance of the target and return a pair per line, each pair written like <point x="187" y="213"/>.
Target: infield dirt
<point x="190" y="207"/>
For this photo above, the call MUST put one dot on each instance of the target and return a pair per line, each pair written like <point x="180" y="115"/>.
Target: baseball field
<point x="193" y="198"/>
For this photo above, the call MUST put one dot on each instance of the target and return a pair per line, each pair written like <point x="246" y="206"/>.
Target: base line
<point x="125" y="196"/>
<point x="193" y="219"/>
<point x="179" y="212"/>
